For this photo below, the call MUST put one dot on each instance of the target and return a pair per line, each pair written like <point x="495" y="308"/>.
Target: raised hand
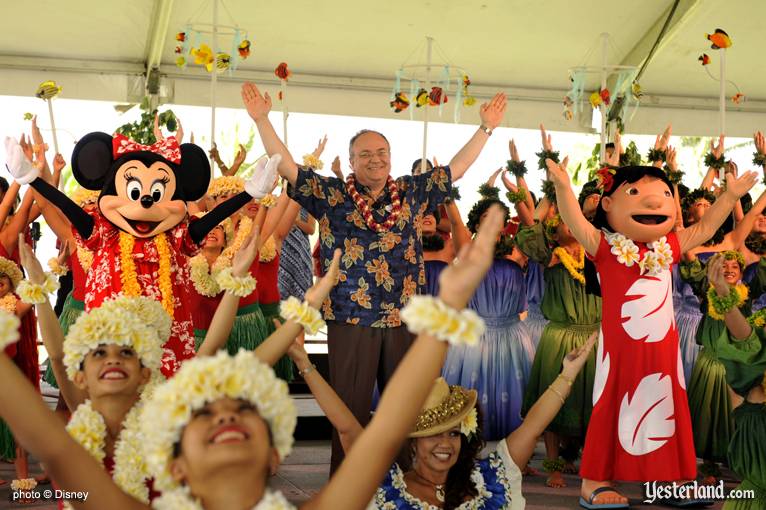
<point x="243" y="259"/>
<point x="298" y="354"/>
<point x="670" y="158"/>
<point x="731" y="168"/>
<point x="26" y="147"/>
<point x="574" y="361"/>
<point x="715" y="275"/>
<point x="320" y="147"/>
<point x="547" y="144"/>
<point x="58" y="163"/>
<point x="258" y="106"/>
<point x="614" y="159"/>
<point x="63" y="256"/>
<point x="179" y="131"/>
<point x="492" y="113"/>
<point x="321" y="289"/>
<point x="717" y="150"/>
<point x="18" y="164"/>
<point x="493" y="177"/>
<point x="508" y="184"/>
<point x="335" y="167"/>
<point x="264" y="178"/>
<point x="514" y="152"/>
<point x="557" y="172"/>
<point x="662" y="140"/>
<point x="739" y="185"/>
<point x="239" y="158"/>
<point x="459" y="280"/>
<point x="760" y="142"/>
<point x="158" y="136"/>
<point x="29" y="262"/>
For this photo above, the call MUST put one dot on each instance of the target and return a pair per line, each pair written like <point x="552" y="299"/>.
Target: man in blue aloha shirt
<point x="376" y="221"/>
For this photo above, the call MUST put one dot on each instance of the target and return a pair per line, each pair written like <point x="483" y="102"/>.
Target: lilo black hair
<point x="629" y="174"/>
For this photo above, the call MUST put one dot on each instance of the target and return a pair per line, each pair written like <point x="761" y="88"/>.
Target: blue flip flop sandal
<point x="590" y="505"/>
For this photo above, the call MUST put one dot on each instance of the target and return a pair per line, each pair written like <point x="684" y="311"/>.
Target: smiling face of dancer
<point x="732" y="271"/>
<point x="438" y="453"/>
<point x="111" y="370"/>
<point x="370" y="158"/>
<point x="225" y="439"/>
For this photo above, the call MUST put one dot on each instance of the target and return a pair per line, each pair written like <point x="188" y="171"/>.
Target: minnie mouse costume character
<point x="141" y="234"/>
<point x="640" y="429"/>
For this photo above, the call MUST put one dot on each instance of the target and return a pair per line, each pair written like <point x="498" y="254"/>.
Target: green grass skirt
<point x="710" y="408"/>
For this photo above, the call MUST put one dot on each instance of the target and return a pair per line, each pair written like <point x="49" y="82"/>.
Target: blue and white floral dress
<point x="497" y="480"/>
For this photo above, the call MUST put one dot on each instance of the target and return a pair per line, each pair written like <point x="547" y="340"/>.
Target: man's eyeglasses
<point x="381" y="154"/>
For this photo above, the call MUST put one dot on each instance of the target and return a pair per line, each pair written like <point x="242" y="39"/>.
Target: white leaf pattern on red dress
<point x="680" y="370"/>
<point x="602" y="368"/>
<point x="650" y="315"/>
<point x="646" y="421"/>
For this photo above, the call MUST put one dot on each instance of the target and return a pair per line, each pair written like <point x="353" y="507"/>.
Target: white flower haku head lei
<point x="201" y="381"/>
<point x="427" y="314"/>
<point x="302" y="313"/>
<point x="127" y="321"/>
<point x="657" y="259"/>
<point x="9" y="329"/>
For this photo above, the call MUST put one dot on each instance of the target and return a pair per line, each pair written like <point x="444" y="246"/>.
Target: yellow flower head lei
<point x="201" y="381"/>
<point x="572" y="266"/>
<point x="9" y="329"/>
<point x="83" y="197"/>
<point x="10" y="269"/>
<point x="129" y="278"/>
<point x="226" y="185"/>
<point x="117" y="323"/>
<point x="734" y="255"/>
<point x="551" y="224"/>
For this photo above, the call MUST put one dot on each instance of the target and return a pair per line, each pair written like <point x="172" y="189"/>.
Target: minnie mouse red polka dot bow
<point x="167" y="148"/>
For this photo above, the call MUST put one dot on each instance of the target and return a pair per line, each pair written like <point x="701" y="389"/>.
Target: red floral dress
<point x="104" y="281"/>
<point x="640" y="429"/>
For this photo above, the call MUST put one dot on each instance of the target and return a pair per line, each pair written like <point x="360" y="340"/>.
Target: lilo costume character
<point x="140" y="234"/>
<point x="498" y="365"/>
<point x="640" y="429"/>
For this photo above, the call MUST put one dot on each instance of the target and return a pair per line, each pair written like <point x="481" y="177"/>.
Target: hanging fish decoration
<point x="222" y="62"/>
<point x="596" y="100"/>
<point x="636" y="90"/>
<point x="568" y="103"/>
<point x="48" y="90"/>
<point x="719" y="39"/>
<point x="181" y="36"/>
<point x="282" y="72"/>
<point x="181" y="61"/>
<point x="468" y="100"/>
<point x="400" y="102"/>
<point x="605" y="97"/>
<point x="704" y="59"/>
<point x="244" y="49"/>
<point x="422" y="98"/>
<point x="203" y="55"/>
<point x="437" y="96"/>
<point x="28" y="116"/>
<point x="738" y="98"/>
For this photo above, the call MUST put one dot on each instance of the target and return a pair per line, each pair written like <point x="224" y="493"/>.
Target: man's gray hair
<point x="364" y="132"/>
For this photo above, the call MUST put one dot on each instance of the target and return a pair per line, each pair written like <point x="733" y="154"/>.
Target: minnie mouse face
<point x="144" y="204"/>
<point x="144" y="190"/>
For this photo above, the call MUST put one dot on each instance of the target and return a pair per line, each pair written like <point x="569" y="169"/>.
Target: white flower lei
<point x="88" y="428"/>
<point x="203" y="279"/>
<point x="9" y="329"/>
<point x="181" y="499"/>
<point x="427" y="314"/>
<point x="656" y="260"/>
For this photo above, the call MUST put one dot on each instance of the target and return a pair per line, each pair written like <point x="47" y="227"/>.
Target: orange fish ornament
<point x="704" y="58"/>
<point x="738" y="98"/>
<point x="282" y="72"/>
<point x="720" y="39"/>
<point x="400" y="102"/>
<point x="181" y="36"/>
<point x="244" y="49"/>
<point x="437" y="96"/>
<point x="421" y="99"/>
<point x="605" y="97"/>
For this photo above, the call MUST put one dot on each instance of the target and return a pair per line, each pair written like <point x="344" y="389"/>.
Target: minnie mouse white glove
<point x="264" y="177"/>
<point x="22" y="170"/>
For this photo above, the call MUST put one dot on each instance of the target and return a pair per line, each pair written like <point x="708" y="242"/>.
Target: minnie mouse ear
<point x="194" y="175"/>
<point x="91" y="160"/>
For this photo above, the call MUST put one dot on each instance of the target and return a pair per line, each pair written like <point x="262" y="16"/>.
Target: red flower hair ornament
<point x="605" y="178"/>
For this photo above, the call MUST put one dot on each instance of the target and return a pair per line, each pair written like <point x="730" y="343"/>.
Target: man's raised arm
<point x="259" y="106"/>
<point x="491" y="116"/>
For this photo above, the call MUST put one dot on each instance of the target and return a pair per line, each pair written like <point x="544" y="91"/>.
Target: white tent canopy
<point x="344" y="54"/>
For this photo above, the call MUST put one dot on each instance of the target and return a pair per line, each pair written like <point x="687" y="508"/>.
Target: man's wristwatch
<point x="486" y="129"/>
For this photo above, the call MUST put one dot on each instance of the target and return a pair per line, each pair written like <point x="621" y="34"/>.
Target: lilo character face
<point x="643" y="211"/>
<point x="732" y="273"/>
<point x="112" y="369"/>
<point x="143" y="203"/>
<point x="6" y="286"/>
<point x="224" y="434"/>
<point x="438" y="452"/>
<point x="698" y="210"/>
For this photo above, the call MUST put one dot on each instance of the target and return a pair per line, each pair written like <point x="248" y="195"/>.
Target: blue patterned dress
<point x="535" y="320"/>
<point x="433" y="268"/>
<point x="498" y="366"/>
<point x="496" y="478"/>
<point x="688" y="317"/>
<point x="295" y="264"/>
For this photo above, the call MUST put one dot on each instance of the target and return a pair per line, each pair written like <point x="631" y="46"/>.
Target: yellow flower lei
<point x="243" y="230"/>
<point x="9" y="329"/>
<point x="268" y="250"/>
<point x="85" y="257"/>
<point x="204" y="282"/>
<point x="88" y="428"/>
<point x="227" y="184"/>
<point x="9" y="302"/>
<point x="130" y="286"/>
<point x="742" y="294"/>
<point x="572" y="266"/>
<point x="56" y="268"/>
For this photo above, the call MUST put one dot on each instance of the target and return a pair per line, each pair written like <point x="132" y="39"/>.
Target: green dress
<point x="709" y="399"/>
<point x="69" y="314"/>
<point x="745" y="363"/>
<point x="573" y="315"/>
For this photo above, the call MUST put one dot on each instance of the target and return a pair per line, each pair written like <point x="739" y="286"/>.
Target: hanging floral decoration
<point x="193" y="47"/>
